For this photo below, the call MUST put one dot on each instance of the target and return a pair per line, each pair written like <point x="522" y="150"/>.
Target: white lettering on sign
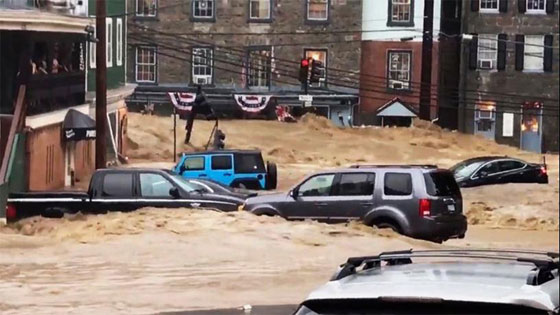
<point x="507" y="128"/>
<point x="90" y="134"/>
<point x="69" y="133"/>
<point x="306" y="98"/>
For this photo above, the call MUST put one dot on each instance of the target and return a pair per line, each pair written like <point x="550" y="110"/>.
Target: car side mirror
<point x="294" y="193"/>
<point x="174" y="192"/>
<point x="483" y="174"/>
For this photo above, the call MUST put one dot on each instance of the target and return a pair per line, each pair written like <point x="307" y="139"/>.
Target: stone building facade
<point x="250" y="48"/>
<point x="509" y="72"/>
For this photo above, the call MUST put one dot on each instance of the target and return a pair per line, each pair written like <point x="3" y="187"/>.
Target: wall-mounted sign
<point x="507" y="129"/>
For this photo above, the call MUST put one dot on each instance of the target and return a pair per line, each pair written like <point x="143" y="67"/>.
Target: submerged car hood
<point x="225" y="198"/>
<point x="266" y="198"/>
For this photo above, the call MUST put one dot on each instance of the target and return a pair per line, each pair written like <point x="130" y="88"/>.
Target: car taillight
<point x="10" y="211"/>
<point x="543" y="170"/>
<point x="424" y="209"/>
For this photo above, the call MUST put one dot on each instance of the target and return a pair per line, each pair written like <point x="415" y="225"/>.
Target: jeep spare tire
<point x="271" y="175"/>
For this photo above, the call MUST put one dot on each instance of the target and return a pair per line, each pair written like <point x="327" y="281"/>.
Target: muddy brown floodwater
<point x="157" y="260"/>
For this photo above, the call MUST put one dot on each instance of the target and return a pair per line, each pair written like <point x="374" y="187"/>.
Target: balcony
<point x="65" y="7"/>
<point x="49" y="92"/>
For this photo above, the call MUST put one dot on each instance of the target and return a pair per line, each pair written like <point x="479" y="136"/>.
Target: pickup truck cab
<point x="120" y="190"/>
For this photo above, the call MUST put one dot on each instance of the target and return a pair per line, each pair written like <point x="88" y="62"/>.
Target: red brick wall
<point x="373" y="73"/>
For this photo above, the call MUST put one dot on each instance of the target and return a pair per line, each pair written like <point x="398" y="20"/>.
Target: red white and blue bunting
<point x="252" y="103"/>
<point x="182" y="101"/>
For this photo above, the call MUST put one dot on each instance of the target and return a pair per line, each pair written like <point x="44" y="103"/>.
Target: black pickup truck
<point x="121" y="190"/>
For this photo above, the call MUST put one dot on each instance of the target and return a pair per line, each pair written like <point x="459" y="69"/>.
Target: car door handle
<point x="321" y="204"/>
<point x="202" y="175"/>
<point x="367" y="204"/>
<point x="227" y="174"/>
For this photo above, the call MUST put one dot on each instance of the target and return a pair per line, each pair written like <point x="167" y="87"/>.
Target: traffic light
<point x="304" y="70"/>
<point x="219" y="138"/>
<point x="317" y="71"/>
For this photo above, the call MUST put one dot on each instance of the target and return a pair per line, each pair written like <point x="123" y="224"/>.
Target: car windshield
<point x="377" y="307"/>
<point x="465" y="169"/>
<point x="184" y="184"/>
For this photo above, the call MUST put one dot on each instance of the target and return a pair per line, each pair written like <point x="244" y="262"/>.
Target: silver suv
<point x="450" y="282"/>
<point x="420" y="201"/>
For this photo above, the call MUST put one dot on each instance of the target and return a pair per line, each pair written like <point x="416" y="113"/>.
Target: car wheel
<point x="388" y="225"/>
<point x="271" y="175"/>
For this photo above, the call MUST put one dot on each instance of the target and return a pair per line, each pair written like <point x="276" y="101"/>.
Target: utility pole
<point x="427" y="43"/>
<point x="101" y="87"/>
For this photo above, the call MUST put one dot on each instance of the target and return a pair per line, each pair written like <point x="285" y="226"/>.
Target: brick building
<point x="391" y="62"/>
<point x="245" y="53"/>
<point x="509" y="88"/>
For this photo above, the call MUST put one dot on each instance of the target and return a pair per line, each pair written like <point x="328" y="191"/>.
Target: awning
<point x="78" y="126"/>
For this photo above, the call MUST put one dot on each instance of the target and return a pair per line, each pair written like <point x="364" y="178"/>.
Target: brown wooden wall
<point x="45" y="163"/>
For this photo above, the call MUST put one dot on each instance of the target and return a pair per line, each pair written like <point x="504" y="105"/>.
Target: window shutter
<point x="519" y="51"/>
<point x="475" y="5"/>
<point x="503" y="5"/>
<point x="550" y="6"/>
<point x="547" y="60"/>
<point x="502" y="46"/>
<point x="473" y="53"/>
<point x="522" y="6"/>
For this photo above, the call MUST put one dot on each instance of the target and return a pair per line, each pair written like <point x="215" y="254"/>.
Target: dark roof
<point x="223" y="152"/>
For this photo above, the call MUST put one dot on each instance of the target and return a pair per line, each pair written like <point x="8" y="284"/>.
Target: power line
<point x="289" y="83"/>
<point x="384" y="86"/>
<point x="285" y="61"/>
<point x="471" y="109"/>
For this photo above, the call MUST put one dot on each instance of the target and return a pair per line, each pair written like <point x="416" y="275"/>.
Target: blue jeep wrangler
<point x="235" y="168"/>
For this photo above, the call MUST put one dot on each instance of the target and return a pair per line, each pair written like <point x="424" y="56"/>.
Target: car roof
<point x="386" y="168"/>
<point x="133" y="169"/>
<point x="483" y="282"/>
<point x="489" y="158"/>
<point x="223" y="152"/>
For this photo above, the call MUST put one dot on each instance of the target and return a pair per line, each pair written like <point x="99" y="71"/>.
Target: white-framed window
<point x="487" y="52"/>
<point x="202" y="65"/>
<point x="489" y="5"/>
<point x="317" y="10"/>
<point x="146" y="64"/>
<point x="536" y="6"/>
<point x="92" y="50"/>
<point x="203" y="9"/>
<point x="401" y="11"/>
<point x="119" y="40"/>
<point x="485" y="110"/>
<point x="258" y="72"/>
<point x="146" y="7"/>
<point x="533" y="53"/>
<point x="259" y="9"/>
<point x="109" y="41"/>
<point x="399" y="69"/>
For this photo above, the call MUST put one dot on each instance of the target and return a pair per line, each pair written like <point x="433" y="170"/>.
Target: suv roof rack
<point x="544" y="262"/>
<point x="393" y="165"/>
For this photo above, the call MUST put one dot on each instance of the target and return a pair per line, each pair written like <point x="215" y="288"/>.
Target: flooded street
<point x="160" y="261"/>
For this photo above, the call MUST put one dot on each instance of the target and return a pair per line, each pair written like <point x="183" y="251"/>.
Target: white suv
<point x="448" y="282"/>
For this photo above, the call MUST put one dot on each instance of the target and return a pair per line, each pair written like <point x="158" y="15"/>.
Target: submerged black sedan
<point x="498" y="170"/>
